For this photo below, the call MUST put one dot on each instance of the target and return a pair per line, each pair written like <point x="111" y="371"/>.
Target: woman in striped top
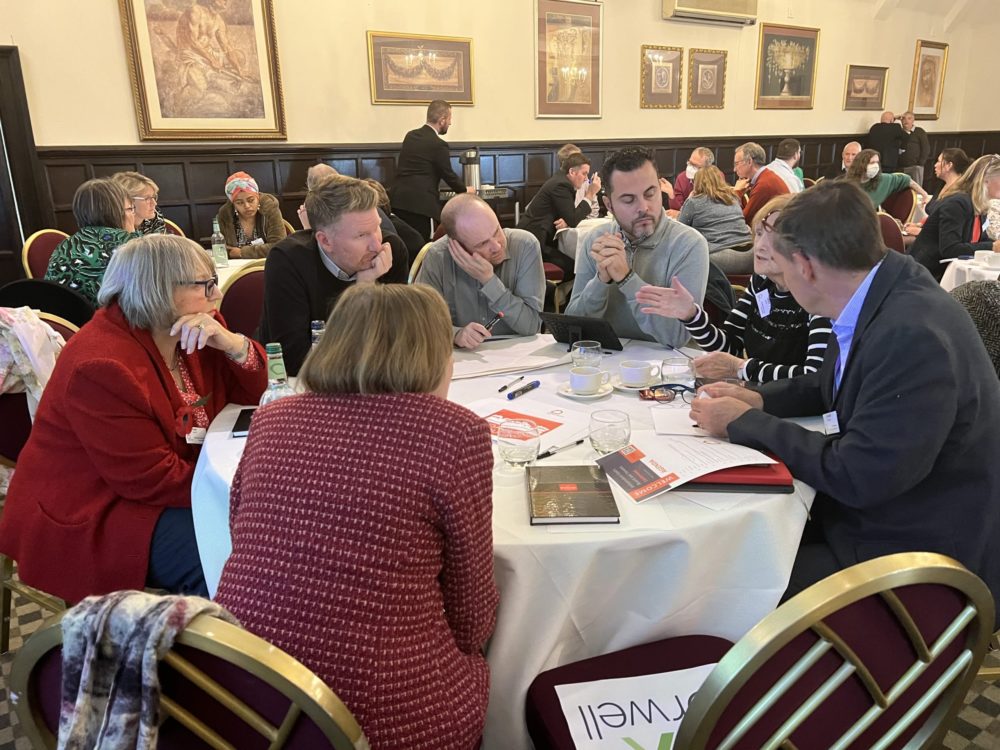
<point x="781" y="340"/>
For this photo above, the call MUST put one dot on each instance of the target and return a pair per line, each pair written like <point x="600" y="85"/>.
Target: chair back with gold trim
<point x="172" y="228"/>
<point x="289" y="229"/>
<point x="63" y="327"/>
<point x="809" y="182"/>
<point x="37" y="250"/>
<point x="879" y="655"/>
<point x="892" y="235"/>
<point x="221" y="687"/>
<point x="243" y="298"/>
<point x="901" y="205"/>
<point x="417" y="262"/>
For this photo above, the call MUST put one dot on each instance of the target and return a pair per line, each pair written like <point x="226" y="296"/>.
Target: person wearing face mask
<point x="251" y="220"/>
<point x="639" y="247"/>
<point x="866" y="172"/>
<point x="675" y="195"/>
<point x="847" y="157"/>
<point x="781" y="340"/>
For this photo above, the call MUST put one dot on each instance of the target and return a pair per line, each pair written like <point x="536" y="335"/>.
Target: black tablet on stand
<point x="568" y="329"/>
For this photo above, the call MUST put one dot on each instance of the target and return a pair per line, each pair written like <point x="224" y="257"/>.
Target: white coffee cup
<point x="983" y="256"/>
<point x="994" y="260"/>
<point x="586" y="380"/>
<point x="636" y="373"/>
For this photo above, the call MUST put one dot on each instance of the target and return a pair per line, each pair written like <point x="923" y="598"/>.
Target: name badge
<point x="196" y="436"/>
<point x="763" y="302"/>
<point x="258" y="241"/>
<point x="830" y="423"/>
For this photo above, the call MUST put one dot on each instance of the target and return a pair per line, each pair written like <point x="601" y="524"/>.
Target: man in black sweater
<point x="917" y="149"/>
<point x="423" y="162"/>
<point x="307" y="271"/>
<point x="887" y="137"/>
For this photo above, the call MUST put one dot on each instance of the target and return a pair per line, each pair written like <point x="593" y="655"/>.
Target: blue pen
<point x="523" y="389"/>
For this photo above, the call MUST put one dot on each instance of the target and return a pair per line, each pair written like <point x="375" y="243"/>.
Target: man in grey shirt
<point x="640" y="246"/>
<point x="482" y="270"/>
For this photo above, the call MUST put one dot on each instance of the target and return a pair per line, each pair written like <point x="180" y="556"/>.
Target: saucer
<point x="618" y="385"/>
<point x="565" y="390"/>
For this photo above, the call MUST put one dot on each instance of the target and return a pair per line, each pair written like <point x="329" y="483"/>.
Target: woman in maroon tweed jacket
<point x="361" y="524"/>
<point x="101" y="499"/>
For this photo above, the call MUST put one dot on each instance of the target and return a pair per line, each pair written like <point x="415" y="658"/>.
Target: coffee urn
<point x="470" y="167"/>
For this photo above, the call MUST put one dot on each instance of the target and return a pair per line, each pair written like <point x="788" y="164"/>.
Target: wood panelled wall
<point x="191" y="178"/>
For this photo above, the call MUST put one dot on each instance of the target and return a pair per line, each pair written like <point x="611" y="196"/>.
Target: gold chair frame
<point x="173" y="225"/>
<point x="807" y="611"/>
<point x="254" y="266"/>
<point x="307" y="692"/>
<point x="9" y="586"/>
<point x="27" y="246"/>
<point x="913" y="207"/>
<point x="50" y="318"/>
<point x="417" y="262"/>
<point x="289" y="229"/>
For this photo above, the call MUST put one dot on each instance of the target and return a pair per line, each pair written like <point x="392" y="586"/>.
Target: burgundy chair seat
<point x="543" y="714"/>
<point x="243" y="303"/>
<point x="553" y="272"/>
<point x="891" y="234"/>
<point x="900" y="205"/>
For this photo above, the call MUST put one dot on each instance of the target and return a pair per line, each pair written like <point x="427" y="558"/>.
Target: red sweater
<point x="104" y="458"/>
<point x="362" y="545"/>
<point x="768" y="186"/>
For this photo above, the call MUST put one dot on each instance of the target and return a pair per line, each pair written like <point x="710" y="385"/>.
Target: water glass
<point x="517" y="441"/>
<point x="677" y="370"/>
<point x="586" y="354"/>
<point x="610" y="430"/>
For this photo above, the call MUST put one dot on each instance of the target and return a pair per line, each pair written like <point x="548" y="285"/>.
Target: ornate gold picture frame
<point x="706" y="78"/>
<point x="786" y="67"/>
<point x="661" y="73"/>
<point x="568" y="66"/>
<point x="202" y="72"/>
<point x="865" y="87"/>
<point x="930" y="63"/>
<point x="418" y="68"/>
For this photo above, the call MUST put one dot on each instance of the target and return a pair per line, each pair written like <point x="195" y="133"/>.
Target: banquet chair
<point x="901" y="205"/>
<point x="417" y="262"/>
<point x="37" y="250"/>
<point x="221" y="687"/>
<point x="172" y="228"/>
<point x="47" y="296"/>
<point x="289" y="229"/>
<point x="243" y="298"/>
<point x="60" y="325"/>
<point x="809" y="182"/>
<point x="892" y="236"/>
<point x="886" y="649"/>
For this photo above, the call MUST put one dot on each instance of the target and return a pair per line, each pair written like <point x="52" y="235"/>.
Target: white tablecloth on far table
<point x="235" y="264"/>
<point x="959" y="272"/>
<point x="673" y="566"/>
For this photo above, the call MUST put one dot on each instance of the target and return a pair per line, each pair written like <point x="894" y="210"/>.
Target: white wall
<point x="72" y="54"/>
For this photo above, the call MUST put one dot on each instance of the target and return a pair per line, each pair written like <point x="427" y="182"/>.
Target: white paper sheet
<point x="519" y="354"/>
<point x="674" y="420"/>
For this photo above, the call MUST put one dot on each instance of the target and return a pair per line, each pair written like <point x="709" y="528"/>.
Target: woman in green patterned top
<point x="145" y="195"/>
<point x="106" y="216"/>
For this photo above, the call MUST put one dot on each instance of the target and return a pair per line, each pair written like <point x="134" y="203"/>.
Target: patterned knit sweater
<point x="80" y="260"/>
<point x="786" y="342"/>
<point x="362" y="545"/>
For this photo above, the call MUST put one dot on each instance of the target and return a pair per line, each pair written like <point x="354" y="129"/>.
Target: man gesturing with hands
<point x="641" y="246"/>
<point x="482" y="270"/>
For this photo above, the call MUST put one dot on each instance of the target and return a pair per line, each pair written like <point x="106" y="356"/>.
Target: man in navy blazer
<point x="424" y="160"/>
<point x="911" y="458"/>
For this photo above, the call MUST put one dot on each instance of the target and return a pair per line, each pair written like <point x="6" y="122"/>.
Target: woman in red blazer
<point x="101" y="498"/>
<point x="361" y="524"/>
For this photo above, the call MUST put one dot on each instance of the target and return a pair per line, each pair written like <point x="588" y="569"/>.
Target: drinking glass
<point x="677" y="370"/>
<point x="586" y="354"/>
<point x="517" y="442"/>
<point x="610" y="430"/>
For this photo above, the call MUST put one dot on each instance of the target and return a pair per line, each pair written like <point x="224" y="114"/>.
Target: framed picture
<point x="786" y="67"/>
<point x="865" y="87"/>
<point x="927" y="86"/>
<point x="568" y="58"/>
<point x="224" y="84"/>
<point x="706" y="79"/>
<point x="660" y="76"/>
<point x="417" y="69"/>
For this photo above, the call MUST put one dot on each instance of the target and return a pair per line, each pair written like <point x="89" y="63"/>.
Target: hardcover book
<point x="570" y="494"/>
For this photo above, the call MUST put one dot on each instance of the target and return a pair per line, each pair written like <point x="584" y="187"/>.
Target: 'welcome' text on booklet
<point x="570" y="494"/>
<point x="646" y="471"/>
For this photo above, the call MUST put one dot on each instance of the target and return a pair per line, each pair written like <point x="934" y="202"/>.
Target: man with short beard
<point x="639" y="246"/>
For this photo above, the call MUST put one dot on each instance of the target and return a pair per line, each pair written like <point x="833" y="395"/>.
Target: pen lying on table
<point x="556" y="448"/>
<point x="503" y="388"/>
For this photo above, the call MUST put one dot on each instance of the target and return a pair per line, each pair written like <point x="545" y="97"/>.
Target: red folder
<point x="761" y="478"/>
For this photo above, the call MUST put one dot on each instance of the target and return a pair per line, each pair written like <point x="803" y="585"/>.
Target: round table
<point x="708" y="563"/>
<point x="959" y="272"/>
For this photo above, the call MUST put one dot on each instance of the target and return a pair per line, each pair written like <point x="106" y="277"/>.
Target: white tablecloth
<point x="235" y="264"/>
<point x="959" y="272"/>
<point x="673" y="567"/>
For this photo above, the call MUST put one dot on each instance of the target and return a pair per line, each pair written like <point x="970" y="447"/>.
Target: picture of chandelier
<point x="785" y="58"/>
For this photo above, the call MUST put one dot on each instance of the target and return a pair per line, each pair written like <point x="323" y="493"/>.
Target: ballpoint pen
<point x="556" y="448"/>
<point x="523" y="389"/>
<point x="496" y="319"/>
<point x="503" y="388"/>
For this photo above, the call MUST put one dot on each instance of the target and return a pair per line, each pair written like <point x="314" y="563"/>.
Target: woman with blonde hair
<point x="956" y="226"/>
<point x="361" y="524"/>
<point x="101" y="499"/>
<point x="145" y="196"/>
<point x="713" y="209"/>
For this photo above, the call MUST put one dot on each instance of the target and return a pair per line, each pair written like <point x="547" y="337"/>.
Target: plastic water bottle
<point x="277" y="381"/>
<point x="316" y="328"/>
<point x="219" y="253"/>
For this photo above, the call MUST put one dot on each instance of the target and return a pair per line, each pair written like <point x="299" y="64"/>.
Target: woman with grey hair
<point x="145" y="196"/>
<point x="101" y="499"/>
<point x="105" y="215"/>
